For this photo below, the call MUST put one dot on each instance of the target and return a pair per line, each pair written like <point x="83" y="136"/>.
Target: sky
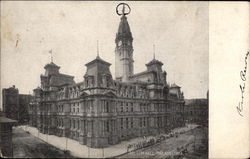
<point x="179" y="31"/>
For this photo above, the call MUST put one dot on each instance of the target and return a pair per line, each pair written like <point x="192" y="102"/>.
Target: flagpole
<point x="51" y="55"/>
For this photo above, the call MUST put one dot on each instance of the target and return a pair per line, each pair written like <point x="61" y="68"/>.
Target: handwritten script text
<point x="242" y="86"/>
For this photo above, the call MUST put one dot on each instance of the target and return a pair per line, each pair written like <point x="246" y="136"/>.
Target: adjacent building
<point x="196" y="111"/>
<point x="103" y="110"/>
<point x="15" y="105"/>
<point x="6" y="146"/>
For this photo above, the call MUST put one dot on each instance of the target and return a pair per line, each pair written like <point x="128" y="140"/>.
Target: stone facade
<point x="102" y="111"/>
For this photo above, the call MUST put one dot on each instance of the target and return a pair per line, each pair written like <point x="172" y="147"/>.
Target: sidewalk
<point x="78" y="150"/>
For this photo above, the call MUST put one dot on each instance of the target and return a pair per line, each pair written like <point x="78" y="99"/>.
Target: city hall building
<point x="103" y="110"/>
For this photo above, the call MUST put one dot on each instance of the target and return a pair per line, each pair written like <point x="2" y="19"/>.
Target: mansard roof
<point x="63" y="75"/>
<point x="154" y="61"/>
<point x="51" y="64"/>
<point x="141" y="73"/>
<point x="38" y="88"/>
<point x="174" y="86"/>
<point x="97" y="60"/>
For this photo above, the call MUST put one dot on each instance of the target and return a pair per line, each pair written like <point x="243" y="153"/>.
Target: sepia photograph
<point x="95" y="79"/>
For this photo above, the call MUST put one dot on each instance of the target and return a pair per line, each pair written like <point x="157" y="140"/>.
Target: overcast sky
<point x="179" y="31"/>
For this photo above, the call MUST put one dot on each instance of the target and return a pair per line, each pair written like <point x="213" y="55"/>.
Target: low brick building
<point x="6" y="145"/>
<point x="196" y="111"/>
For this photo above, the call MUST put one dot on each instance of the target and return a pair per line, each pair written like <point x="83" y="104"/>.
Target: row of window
<point x="59" y="122"/>
<point x="105" y="82"/>
<point x="132" y="94"/>
<point x="61" y="95"/>
<point x="128" y="123"/>
<point x="74" y="107"/>
<point x="110" y="125"/>
<point x="74" y="124"/>
<point x="197" y="113"/>
<point x="109" y="106"/>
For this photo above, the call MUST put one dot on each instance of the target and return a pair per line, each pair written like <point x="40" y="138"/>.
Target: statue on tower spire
<point x="123" y="9"/>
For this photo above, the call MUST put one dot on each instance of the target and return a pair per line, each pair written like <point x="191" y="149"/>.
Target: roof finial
<point x="154" y="51"/>
<point x="97" y="47"/>
<point x="51" y="55"/>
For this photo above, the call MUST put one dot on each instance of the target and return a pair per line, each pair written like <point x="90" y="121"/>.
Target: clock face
<point x="120" y="43"/>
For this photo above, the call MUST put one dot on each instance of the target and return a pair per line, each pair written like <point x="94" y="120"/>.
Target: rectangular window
<point x="121" y="123"/>
<point x="126" y="123"/>
<point x="107" y="126"/>
<point x="140" y="122"/>
<point x="132" y="123"/>
<point x="84" y="125"/>
<point x="158" y="121"/>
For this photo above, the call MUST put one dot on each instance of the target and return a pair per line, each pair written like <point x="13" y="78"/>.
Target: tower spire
<point x="124" y="67"/>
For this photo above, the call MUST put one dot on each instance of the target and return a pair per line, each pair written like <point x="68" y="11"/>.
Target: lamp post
<point x="102" y="152"/>
<point x="66" y="143"/>
<point x="194" y="142"/>
<point x="88" y="152"/>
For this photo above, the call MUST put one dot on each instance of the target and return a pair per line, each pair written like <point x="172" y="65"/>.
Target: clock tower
<point x="124" y="66"/>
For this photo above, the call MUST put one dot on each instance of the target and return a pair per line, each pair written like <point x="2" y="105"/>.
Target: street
<point x="195" y="142"/>
<point x="26" y="145"/>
